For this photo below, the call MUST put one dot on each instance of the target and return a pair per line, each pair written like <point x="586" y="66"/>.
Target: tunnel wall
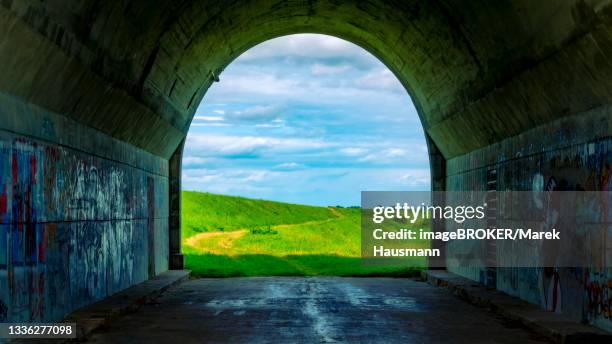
<point x="573" y="153"/>
<point x="82" y="215"/>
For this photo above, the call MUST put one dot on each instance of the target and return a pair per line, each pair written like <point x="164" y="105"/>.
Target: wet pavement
<point x="311" y="310"/>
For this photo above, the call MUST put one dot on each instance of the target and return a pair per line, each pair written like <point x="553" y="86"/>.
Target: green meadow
<point x="226" y="236"/>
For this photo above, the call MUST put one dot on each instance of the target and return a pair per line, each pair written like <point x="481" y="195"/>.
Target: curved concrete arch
<point x="403" y="42"/>
<point x="457" y="59"/>
<point x="96" y="98"/>
<point x="358" y="26"/>
<point x="445" y="64"/>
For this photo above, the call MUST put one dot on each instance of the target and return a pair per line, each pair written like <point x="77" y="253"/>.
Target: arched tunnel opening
<point x="306" y="121"/>
<point x="96" y="99"/>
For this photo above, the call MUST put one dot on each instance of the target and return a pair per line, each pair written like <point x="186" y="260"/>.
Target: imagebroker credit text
<point x="468" y="234"/>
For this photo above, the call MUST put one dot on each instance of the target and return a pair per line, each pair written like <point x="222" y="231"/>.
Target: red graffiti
<point x="15" y="169"/>
<point x="16" y="189"/>
<point x="33" y="169"/>
<point x="604" y="179"/>
<point x="600" y="302"/>
<point x="49" y="175"/>
<point x="3" y="200"/>
<point x="42" y="245"/>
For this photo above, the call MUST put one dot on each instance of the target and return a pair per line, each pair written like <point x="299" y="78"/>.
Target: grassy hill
<point x="206" y="212"/>
<point x="234" y="236"/>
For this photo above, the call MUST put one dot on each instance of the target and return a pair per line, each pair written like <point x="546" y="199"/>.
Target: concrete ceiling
<point x="478" y="71"/>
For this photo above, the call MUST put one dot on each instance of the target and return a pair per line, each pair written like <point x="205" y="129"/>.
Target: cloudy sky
<point x="306" y="119"/>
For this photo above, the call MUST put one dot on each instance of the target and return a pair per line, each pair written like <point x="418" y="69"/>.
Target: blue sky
<point x="308" y="119"/>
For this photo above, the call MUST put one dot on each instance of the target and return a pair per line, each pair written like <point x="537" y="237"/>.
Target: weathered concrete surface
<point x="100" y="314"/>
<point x="146" y="65"/>
<point x="82" y="215"/>
<point x="558" y="327"/>
<point x="572" y="153"/>
<point x="311" y="310"/>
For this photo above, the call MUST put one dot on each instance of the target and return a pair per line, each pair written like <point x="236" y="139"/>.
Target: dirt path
<point x="225" y="241"/>
<point x="226" y="238"/>
<point x="336" y="212"/>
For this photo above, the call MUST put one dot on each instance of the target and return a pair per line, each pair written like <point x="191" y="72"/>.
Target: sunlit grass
<point x="204" y="212"/>
<point x="276" y="239"/>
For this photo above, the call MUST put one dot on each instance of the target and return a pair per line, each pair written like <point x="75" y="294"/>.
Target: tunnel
<point x="96" y="98"/>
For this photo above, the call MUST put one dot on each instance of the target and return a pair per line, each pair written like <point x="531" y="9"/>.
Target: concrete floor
<point x="311" y="310"/>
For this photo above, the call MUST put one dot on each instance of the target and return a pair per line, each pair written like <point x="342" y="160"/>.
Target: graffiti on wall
<point x="74" y="228"/>
<point x="583" y="293"/>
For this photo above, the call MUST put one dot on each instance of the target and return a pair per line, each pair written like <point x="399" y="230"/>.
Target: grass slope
<point x="232" y="236"/>
<point x="205" y="212"/>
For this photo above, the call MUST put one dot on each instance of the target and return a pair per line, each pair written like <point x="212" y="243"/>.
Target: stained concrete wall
<point x="84" y="206"/>
<point x="573" y="153"/>
<point x="82" y="215"/>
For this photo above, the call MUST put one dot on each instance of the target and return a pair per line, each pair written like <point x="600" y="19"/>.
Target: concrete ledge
<point x="100" y="314"/>
<point x="559" y="328"/>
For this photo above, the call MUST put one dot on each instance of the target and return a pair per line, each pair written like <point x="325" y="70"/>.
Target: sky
<point x="309" y="119"/>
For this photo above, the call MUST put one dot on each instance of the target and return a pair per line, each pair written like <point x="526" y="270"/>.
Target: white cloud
<point x="323" y="89"/>
<point x="419" y="178"/>
<point x="275" y="123"/>
<point x="225" y="175"/>
<point x="229" y="181"/>
<point x="307" y="46"/>
<point x="322" y="69"/>
<point x="259" y="83"/>
<point x="218" y="144"/>
<point x="394" y="155"/>
<point x="208" y="118"/>
<point x="255" y="176"/>
<point x="289" y="166"/>
<point x="386" y="156"/>
<point x="193" y="160"/>
<point x="256" y="112"/>
<point x="353" y="151"/>
<point x="380" y="79"/>
<point x="209" y="124"/>
<point x="268" y="125"/>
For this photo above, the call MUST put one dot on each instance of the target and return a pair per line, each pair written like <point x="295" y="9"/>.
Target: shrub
<point x="265" y="230"/>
